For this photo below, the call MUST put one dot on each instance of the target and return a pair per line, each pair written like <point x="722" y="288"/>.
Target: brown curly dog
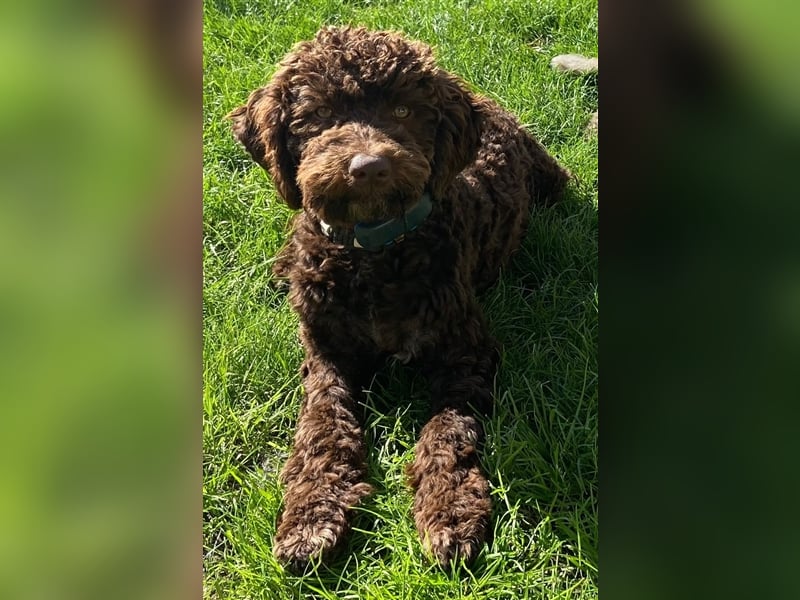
<point x="414" y="193"/>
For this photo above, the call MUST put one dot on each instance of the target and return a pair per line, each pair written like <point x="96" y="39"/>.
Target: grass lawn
<point x="541" y="447"/>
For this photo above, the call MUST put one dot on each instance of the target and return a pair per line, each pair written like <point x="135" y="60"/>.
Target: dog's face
<point x="355" y="126"/>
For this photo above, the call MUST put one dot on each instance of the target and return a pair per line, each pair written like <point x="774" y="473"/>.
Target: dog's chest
<point x="403" y="340"/>
<point x="395" y="302"/>
<point x="395" y="299"/>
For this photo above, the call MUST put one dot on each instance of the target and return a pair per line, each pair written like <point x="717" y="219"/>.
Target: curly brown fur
<point x="346" y="95"/>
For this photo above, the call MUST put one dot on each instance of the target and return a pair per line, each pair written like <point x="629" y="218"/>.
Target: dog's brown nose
<point x="365" y="167"/>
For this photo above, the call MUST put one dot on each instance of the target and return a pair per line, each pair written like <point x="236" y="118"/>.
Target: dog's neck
<point x="379" y="234"/>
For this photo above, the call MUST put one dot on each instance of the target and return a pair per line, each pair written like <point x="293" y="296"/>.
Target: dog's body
<point x="359" y="129"/>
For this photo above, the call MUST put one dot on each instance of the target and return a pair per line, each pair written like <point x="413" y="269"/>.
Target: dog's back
<point x="511" y="173"/>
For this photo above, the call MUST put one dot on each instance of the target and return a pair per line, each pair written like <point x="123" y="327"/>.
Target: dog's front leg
<point x="324" y="474"/>
<point x="451" y="503"/>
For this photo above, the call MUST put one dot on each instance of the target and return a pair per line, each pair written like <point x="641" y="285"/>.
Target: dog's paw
<point x="452" y="520"/>
<point x="449" y="544"/>
<point x="313" y="524"/>
<point x="296" y="547"/>
<point x="308" y="532"/>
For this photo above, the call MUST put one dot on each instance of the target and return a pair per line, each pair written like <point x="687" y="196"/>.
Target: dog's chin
<point x="349" y="210"/>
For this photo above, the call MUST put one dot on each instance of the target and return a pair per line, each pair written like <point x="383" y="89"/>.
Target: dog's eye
<point x="324" y="112"/>
<point x="401" y="112"/>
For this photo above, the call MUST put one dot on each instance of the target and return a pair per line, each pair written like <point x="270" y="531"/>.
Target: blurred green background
<point x="99" y="307"/>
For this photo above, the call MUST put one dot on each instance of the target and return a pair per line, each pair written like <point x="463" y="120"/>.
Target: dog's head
<point x="356" y="125"/>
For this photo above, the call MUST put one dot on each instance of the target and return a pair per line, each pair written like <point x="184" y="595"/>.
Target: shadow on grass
<point x="541" y="443"/>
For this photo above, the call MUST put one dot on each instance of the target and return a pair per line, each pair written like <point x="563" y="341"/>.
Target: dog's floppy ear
<point x="261" y="126"/>
<point x="458" y="133"/>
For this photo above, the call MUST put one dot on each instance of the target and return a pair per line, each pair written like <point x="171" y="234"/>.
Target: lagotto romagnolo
<point x="413" y="192"/>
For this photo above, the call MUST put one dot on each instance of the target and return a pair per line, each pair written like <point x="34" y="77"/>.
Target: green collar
<point x="378" y="234"/>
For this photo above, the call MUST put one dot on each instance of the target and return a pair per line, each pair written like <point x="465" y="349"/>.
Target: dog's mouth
<point x="352" y="209"/>
<point x="341" y="199"/>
